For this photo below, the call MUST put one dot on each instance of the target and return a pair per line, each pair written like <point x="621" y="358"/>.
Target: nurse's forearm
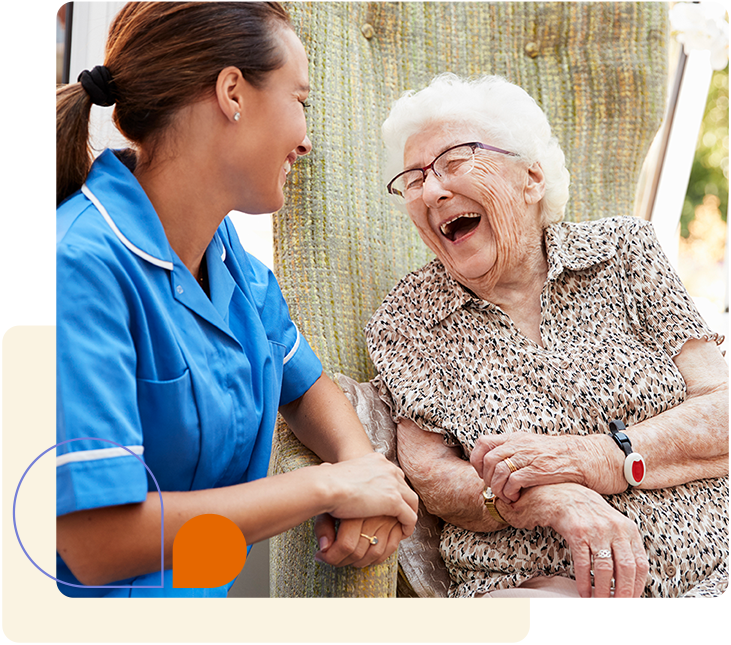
<point x="325" y="422"/>
<point x="117" y="542"/>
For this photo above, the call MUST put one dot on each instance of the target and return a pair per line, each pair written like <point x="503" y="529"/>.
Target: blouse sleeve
<point x="408" y="381"/>
<point x="662" y="312"/>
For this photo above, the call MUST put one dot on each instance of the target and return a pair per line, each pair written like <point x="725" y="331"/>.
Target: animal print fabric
<point x="614" y="314"/>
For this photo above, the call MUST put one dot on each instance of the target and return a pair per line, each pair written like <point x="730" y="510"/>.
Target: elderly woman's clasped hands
<point x="606" y="547"/>
<point x="511" y="462"/>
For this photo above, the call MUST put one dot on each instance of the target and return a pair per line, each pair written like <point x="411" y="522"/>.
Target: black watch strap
<point x="621" y="439"/>
<point x="634" y="464"/>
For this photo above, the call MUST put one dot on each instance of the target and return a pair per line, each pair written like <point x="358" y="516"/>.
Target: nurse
<point x="174" y="345"/>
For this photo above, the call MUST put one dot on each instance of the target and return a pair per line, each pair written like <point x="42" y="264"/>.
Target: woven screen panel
<point x="599" y="71"/>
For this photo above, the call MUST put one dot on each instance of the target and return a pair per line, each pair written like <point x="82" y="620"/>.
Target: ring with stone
<point x="371" y="538"/>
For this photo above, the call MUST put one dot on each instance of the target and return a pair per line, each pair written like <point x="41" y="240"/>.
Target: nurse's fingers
<point x="348" y="546"/>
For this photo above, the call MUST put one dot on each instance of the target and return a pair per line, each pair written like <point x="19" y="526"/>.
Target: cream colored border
<point x="34" y="610"/>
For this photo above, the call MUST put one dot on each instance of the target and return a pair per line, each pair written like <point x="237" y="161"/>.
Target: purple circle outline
<point x="162" y="522"/>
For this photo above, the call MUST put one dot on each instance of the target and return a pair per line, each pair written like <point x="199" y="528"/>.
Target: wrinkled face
<point x="275" y="130"/>
<point x="475" y="223"/>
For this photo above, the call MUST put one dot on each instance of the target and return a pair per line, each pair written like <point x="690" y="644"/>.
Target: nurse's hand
<point x="369" y="486"/>
<point x="347" y="545"/>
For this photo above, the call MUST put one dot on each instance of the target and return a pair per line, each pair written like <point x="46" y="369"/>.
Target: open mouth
<point x="457" y="228"/>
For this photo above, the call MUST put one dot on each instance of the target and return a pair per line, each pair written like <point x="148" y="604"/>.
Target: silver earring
<point x="237" y="116"/>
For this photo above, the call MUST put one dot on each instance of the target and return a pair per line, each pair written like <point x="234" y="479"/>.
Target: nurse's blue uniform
<point x="146" y="360"/>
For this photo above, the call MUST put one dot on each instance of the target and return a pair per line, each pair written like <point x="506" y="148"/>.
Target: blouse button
<point x="593" y="413"/>
<point x="670" y="570"/>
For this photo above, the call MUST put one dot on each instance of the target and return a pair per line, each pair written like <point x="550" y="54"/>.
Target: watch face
<point x="634" y="469"/>
<point x="488" y="494"/>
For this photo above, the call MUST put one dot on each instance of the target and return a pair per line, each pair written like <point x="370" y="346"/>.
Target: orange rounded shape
<point x="208" y="551"/>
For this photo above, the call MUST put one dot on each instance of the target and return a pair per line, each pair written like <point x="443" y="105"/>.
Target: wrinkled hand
<point x="371" y="486"/>
<point x="544" y="459"/>
<point x="589" y="524"/>
<point x="347" y="546"/>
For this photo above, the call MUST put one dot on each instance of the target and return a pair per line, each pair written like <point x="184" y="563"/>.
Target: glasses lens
<point x="455" y="162"/>
<point x="407" y="186"/>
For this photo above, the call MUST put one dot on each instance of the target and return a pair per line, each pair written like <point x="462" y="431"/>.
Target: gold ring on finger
<point x="510" y="464"/>
<point x="371" y="538"/>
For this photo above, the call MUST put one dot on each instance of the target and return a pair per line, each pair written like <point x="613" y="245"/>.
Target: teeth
<point x="445" y="226"/>
<point x="287" y="167"/>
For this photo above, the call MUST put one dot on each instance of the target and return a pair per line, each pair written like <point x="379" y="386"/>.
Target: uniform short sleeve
<point x="98" y="428"/>
<point x="663" y="313"/>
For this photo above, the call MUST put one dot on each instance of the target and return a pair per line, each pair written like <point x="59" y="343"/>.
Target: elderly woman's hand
<point x="509" y="463"/>
<point x="601" y="539"/>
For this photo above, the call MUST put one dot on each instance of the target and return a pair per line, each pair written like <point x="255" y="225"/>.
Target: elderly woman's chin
<point x="469" y="269"/>
<point x="468" y="258"/>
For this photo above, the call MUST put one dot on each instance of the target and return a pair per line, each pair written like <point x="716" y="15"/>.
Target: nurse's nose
<point x="305" y="147"/>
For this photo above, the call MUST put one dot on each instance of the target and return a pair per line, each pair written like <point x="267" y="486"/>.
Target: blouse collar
<point x="569" y="247"/>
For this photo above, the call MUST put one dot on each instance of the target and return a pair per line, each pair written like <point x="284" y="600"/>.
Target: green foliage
<point x="709" y="174"/>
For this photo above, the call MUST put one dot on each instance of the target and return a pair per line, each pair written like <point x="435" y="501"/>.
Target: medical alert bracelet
<point x="634" y="464"/>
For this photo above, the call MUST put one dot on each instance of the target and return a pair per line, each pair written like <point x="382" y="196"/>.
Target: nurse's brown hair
<point x="162" y="56"/>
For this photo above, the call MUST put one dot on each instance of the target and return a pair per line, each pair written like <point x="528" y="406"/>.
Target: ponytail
<point x="160" y="57"/>
<point x="73" y="154"/>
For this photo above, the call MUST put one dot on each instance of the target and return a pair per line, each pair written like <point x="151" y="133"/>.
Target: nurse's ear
<point x="535" y="184"/>
<point x="231" y="87"/>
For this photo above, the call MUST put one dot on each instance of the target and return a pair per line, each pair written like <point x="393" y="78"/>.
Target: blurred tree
<point x="709" y="174"/>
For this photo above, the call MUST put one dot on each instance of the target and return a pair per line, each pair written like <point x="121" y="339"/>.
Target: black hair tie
<point x="98" y="84"/>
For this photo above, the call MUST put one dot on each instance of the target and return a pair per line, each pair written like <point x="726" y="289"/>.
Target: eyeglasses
<point x="453" y="162"/>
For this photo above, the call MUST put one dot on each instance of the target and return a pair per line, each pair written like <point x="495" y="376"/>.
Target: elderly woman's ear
<point x="535" y="186"/>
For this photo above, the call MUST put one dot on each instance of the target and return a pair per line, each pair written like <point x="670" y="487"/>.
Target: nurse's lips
<point x="289" y="162"/>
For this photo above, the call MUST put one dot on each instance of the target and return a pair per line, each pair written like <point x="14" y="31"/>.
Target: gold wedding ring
<point x="510" y="464"/>
<point x="371" y="538"/>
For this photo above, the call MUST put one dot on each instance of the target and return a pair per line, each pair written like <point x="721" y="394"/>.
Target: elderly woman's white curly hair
<point x="507" y="116"/>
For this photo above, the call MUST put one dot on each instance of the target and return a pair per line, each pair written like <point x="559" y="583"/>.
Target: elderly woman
<point x="565" y="360"/>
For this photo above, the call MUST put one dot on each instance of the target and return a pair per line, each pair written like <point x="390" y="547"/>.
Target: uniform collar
<point x="122" y="202"/>
<point x="569" y="246"/>
<point x="118" y="196"/>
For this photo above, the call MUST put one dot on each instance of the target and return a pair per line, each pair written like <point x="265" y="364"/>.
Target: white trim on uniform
<point x="294" y="349"/>
<point x="145" y="256"/>
<point x="100" y="453"/>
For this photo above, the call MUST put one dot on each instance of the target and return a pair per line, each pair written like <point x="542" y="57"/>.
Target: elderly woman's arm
<point x="451" y="489"/>
<point x="686" y="443"/>
<point x="448" y="485"/>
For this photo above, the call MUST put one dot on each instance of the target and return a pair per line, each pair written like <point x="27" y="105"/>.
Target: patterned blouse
<point x="614" y="314"/>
